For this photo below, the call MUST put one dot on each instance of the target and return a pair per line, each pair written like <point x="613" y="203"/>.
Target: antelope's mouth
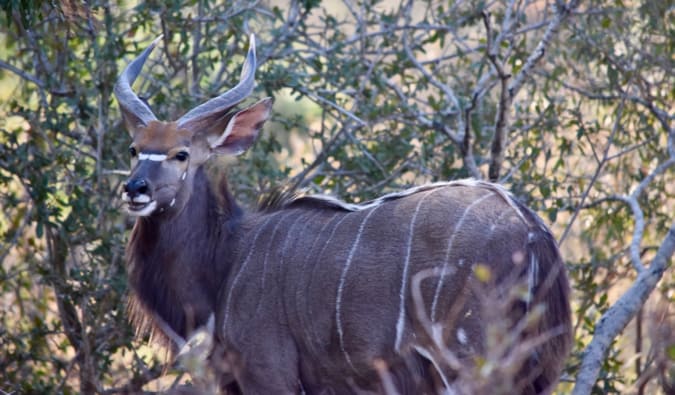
<point x="140" y="205"/>
<point x="141" y="209"/>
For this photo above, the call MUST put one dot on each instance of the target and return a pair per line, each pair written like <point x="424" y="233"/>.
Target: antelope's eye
<point x="181" y="156"/>
<point x="132" y="152"/>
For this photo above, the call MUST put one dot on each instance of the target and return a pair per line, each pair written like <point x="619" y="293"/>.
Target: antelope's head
<point x="166" y="155"/>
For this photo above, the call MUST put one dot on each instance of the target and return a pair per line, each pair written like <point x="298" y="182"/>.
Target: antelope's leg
<point x="268" y="365"/>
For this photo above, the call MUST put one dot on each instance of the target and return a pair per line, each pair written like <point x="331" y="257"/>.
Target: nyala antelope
<point x="313" y="295"/>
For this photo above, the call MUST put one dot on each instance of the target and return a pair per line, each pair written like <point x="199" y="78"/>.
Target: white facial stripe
<point x="152" y="157"/>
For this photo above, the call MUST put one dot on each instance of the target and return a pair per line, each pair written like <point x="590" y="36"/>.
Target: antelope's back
<point x="355" y="283"/>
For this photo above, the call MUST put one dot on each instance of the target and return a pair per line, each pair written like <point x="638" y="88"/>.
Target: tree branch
<point x="617" y="317"/>
<point x="661" y="115"/>
<point x="196" y="49"/>
<point x="509" y="93"/>
<point x="22" y="74"/>
<point x="463" y="120"/>
<point x="501" y="119"/>
<point x="563" y="11"/>
<point x="467" y="143"/>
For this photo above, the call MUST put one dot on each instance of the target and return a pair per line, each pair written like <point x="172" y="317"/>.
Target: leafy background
<point x="370" y="97"/>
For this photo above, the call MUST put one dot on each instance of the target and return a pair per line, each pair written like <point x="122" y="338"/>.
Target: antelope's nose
<point x="135" y="187"/>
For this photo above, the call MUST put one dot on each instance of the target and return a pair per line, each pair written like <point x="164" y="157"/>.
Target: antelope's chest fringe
<point x="175" y="269"/>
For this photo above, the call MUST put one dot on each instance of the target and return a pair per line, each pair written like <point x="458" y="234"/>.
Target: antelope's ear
<point x="241" y="130"/>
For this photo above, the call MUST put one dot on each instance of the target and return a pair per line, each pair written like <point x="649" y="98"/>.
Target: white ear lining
<point x="216" y="141"/>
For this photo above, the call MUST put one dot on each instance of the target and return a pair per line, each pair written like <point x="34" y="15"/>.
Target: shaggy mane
<point x="279" y="197"/>
<point x="284" y="197"/>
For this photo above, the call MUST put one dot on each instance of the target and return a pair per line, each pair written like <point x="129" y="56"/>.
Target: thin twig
<point x="596" y="174"/>
<point x="562" y="12"/>
<point x="22" y="74"/>
<point x="196" y="49"/>
<point x="463" y="120"/>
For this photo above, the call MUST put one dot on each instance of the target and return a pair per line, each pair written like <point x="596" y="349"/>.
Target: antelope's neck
<point x="174" y="268"/>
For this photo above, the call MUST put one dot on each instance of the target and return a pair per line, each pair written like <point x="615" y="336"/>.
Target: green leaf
<point x="671" y="352"/>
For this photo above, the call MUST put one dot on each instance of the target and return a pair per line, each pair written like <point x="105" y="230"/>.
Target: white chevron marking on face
<point x="152" y="157"/>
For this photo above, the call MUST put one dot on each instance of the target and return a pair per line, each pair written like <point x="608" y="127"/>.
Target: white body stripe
<point x="289" y="233"/>
<point x="448" y="251"/>
<point x="300" y="303"/>
<point x="400" y="323"/>
<point x="318" y="256"/>
<point x="330" y="237"/>
<point x="152" y="157"/>
<point x="439" y="287"/>
<point x="267" y="252"/>
<point x="228" y="302"/>
<point x="343" y="277"/>
<point x="533" y="275"/>
<point x="319" y="234"/>
<point x="496" y="223"/>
